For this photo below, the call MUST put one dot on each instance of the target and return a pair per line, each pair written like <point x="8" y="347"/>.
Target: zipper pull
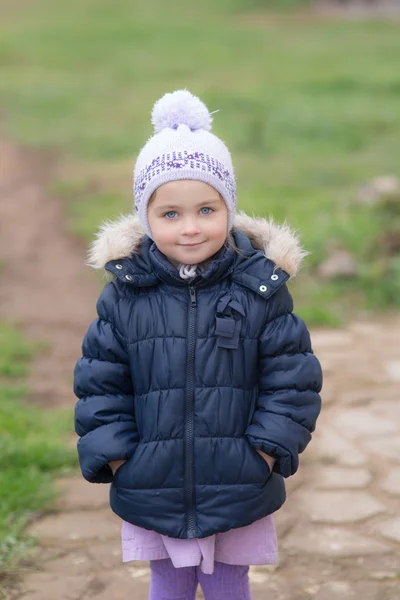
<point x="192" y="291"/>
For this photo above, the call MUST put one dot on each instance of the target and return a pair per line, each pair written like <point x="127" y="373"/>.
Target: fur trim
<point x="115" y="239"/>
<point x="280" y="243"/>
<point x="120" y="238"/>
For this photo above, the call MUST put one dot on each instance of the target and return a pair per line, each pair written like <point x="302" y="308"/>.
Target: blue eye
<point x="206" y="208"/>
<point x="171" y="212"/>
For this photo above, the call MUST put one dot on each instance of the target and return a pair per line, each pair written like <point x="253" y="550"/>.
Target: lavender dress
<point x="255" y="544"/>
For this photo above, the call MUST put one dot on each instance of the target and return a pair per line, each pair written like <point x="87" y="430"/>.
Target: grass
<point x="308" y="108"/>
<point x="32" y="451"/>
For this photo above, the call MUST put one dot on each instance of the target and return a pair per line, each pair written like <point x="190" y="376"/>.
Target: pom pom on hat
<point x="180" y="108"/>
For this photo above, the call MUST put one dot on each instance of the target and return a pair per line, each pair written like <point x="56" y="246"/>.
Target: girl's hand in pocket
<point x="268" y="459"/>
<point x="115" y="465"/>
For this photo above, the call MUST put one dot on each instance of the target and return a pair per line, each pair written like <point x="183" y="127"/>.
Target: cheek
<point x="218" y="229"/>
<point x="163" y="234"/>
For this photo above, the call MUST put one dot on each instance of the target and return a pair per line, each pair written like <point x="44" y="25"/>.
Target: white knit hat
<point x="182" y="147"/>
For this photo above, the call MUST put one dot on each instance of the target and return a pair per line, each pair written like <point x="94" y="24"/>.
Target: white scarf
<point x="187" y="271"/>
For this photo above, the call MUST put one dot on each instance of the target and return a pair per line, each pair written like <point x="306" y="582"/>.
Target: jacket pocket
<point x="261" y="464"/>
<point x="120" y="471"/>
<point x="267" y="470"/>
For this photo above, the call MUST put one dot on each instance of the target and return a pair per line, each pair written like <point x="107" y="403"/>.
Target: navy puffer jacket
<point x="186" y="381"/>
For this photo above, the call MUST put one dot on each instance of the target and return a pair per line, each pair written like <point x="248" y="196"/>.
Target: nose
<point x="190" y="227"/>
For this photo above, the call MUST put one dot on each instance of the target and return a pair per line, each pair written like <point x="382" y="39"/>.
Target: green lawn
<point x="309" y="109"/>
<point x="32" y="450"/>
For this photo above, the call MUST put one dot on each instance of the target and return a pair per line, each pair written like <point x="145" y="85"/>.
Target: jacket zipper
<point x="189" y="425"/>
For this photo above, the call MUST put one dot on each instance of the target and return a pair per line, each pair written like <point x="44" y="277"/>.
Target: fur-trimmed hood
<point x="121" y="238"/>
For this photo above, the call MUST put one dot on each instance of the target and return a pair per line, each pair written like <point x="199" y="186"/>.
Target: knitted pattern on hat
<point x="182" y="147"/>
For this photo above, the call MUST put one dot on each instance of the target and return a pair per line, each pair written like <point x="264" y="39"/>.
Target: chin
<point x="194" y="255"/>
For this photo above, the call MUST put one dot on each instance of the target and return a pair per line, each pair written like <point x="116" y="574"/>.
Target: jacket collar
<point x="220" y="266"/>
<point x="122" y="248"/>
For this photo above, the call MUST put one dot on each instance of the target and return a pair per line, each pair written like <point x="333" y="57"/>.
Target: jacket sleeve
<point x="104" y="413"/>
<point x="290" y="379"/>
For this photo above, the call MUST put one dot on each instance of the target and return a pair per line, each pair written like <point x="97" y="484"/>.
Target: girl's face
<point x="188" y="220"/>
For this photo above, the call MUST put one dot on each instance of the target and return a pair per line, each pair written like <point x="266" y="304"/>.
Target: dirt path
<point x="358" y="9"/>
<point x="339" y="530"/>
<point x="45" y="286"/>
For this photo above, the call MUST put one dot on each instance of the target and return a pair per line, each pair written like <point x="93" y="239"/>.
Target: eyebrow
<point x="174" y="206"/>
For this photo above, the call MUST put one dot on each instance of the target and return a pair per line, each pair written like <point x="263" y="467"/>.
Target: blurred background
<point x="308" y="95"/>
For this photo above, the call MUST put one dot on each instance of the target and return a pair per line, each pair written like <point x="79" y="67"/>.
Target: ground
<point x="339" y="530"/>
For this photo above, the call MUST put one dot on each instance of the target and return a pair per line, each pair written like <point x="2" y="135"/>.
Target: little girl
<point x="198" y="387"/>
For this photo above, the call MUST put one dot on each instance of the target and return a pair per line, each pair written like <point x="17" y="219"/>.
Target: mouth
<point x="191" y="245"/>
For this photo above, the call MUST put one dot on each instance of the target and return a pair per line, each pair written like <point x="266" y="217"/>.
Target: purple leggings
<point x="170" y="583"/>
